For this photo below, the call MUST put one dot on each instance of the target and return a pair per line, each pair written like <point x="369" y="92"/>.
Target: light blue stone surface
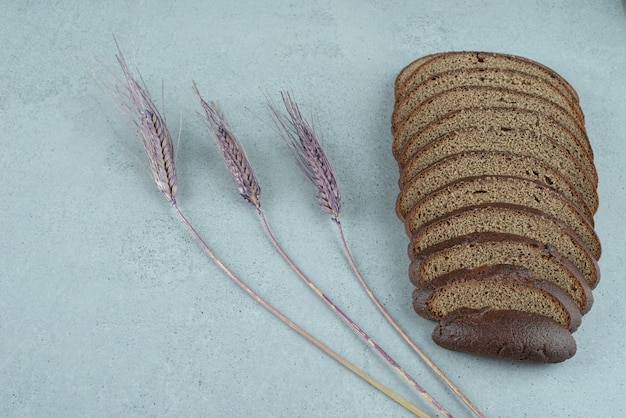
<point x="109" y="309"/>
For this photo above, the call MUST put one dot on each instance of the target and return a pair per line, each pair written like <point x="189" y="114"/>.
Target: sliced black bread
<point x="480" y="96"/>
<point x="472" y="59"/>
<point x="505" y="334"/>
<point x="473" y="191"/>
<point x="481" y="163"/>
<point x="511" y="219"/>
<point x="500" y="286"/>
<point x="486" y="248"/>
<point x="516" y="141"/>
<point x="501" y="117"/>
<point x="488" y="77"/>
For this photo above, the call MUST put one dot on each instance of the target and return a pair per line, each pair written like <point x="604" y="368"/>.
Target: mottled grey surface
<point x="107" y="306"/>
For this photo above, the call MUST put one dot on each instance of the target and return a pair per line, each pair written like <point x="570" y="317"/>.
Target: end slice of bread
<point x="505" y="334"/>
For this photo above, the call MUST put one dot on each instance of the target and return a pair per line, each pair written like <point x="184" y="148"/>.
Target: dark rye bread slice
<point x="505" y="334"/>
<point x="474" y="191"/>
<point x="500" y="286"/>
<point x="501" y="117"/>
<point x="472" y="59"/>
<point x="488" y="77"/>
<point x="511" y="219"/>
<point x="516" y="141"/>
<point x="480" y="96"/>
<point x="487" y="248"/>
<point x="481" y="163"/>
<point x="406" y="72"/>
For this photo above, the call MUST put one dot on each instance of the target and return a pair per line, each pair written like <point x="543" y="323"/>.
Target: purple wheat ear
<point x="308" y="153"/>
<point x="328" y="196"/>
<point x="134" y="101"/>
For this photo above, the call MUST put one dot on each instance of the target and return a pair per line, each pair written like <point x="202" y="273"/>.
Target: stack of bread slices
<point x="498" y="191"/>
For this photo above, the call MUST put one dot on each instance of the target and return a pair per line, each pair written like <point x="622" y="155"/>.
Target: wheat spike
<point x="140" y="109"/>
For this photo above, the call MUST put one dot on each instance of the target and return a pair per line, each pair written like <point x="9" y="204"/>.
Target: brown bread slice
<point x="516" y="141"/>
<point x="480" y="96"/>
<point x="473" y="59"/>
<point x="473" y="191"/>
<point x="488" y="77"/>
<point x="481" y="163"/>
<point x="501" y="286"/>
<point x="505" y="334"/>
<point x="501" y="117"/>
<point x="511" y="219"/>
<point x="487" y="248"/>
<point x="406" y="72"/>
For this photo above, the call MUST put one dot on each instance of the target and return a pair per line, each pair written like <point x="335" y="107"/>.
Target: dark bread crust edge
<point x="503" y="273"/>
<point x="505" y="334"/>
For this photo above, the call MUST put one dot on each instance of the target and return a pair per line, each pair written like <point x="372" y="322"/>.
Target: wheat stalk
<point x="309" y="155"/>
<point x="247" y="184"/>
<point x="135" y="102"/>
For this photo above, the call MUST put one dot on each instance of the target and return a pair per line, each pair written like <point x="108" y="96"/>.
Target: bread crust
<point x="505" y="334"/>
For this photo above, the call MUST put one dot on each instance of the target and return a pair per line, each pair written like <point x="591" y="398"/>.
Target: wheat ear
<point x="309" y="155"/>
<point x="240" y="168"/>
<point x="158" y="147"/>
<point x="157" y="142"/>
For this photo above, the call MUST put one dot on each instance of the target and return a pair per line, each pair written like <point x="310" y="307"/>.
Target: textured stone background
<point x="108" y="308"/>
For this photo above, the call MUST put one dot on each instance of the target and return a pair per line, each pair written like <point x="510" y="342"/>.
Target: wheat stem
<point x="401" y="331"/>
<point x="341" y="360"/>
<point x="355" y="327"/>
